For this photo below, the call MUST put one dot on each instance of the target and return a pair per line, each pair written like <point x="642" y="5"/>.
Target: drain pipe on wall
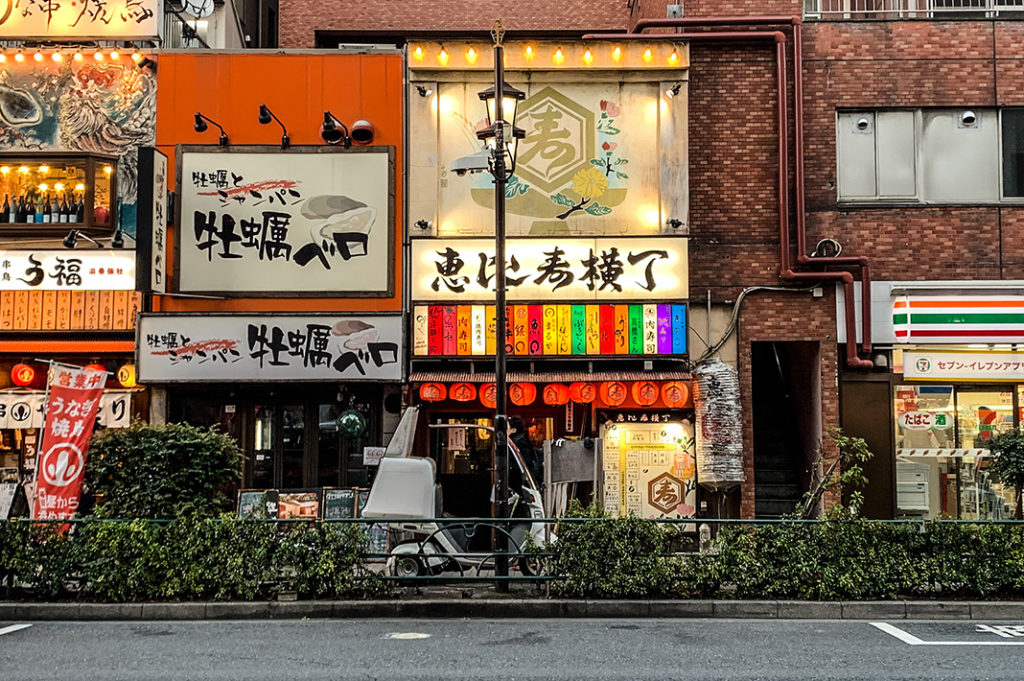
<point x="786" y="271"/>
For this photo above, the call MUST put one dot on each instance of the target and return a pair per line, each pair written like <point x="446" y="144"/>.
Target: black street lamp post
<point x="502" y="138"/>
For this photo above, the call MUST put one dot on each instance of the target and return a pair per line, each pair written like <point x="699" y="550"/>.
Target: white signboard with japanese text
<point x="274" y="223"/>
<point x="601" y="268"/>
<point x="26" y="409"/>
<point x="78" y="270"/>
<point x="269" y="347"/>
<point x="151" y="229"/>
<point x="107" y="19"/>
<point x="973" y="366"/>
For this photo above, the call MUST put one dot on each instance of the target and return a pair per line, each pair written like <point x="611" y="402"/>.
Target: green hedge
<point x="824" y="560"/>
<point x="187" y="559"/>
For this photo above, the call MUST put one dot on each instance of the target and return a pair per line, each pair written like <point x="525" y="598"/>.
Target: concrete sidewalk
<point x="499" y="608"/>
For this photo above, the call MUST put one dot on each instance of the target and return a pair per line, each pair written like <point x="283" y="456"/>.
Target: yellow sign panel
<point x="106" y="19"/>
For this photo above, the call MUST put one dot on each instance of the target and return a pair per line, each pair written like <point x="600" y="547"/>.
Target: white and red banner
<point x="70" y="415"/>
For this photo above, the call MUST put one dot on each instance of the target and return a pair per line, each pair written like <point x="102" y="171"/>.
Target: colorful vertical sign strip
<point x="958" y="319"/>
<point x="74" y="399"/>
<point x="551" y="330"/>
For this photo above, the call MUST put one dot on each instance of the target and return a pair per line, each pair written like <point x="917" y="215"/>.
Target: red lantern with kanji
<point x="22" y="374"/>
<point x="645" y="393"/>
<point x="489" y="395"/>
<point x="433" y="392"/>
<point x="555" y="394"/>
<point x="583" y="393"/>
<point x="613" y="393"/>
<point x="675" y="393"/>
<point x="462" y="392"/>
<point x="522" y="394"/>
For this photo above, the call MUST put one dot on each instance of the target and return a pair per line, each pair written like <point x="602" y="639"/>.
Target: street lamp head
<point x="510" y="98"/>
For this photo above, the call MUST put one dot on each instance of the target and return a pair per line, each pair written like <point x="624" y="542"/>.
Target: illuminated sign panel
<point x="107" y="19"/>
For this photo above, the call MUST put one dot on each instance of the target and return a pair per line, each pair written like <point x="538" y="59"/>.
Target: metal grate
<point x="913" y="9"/>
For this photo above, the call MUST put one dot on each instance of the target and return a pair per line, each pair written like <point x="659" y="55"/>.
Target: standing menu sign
<point x="70" y="414"/>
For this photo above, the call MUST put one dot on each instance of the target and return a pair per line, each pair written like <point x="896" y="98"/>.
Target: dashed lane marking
<point x="912" y="640"/>
<point x="13" y="628"/>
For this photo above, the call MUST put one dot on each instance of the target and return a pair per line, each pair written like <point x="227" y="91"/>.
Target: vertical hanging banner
<point x="70" y="416"/>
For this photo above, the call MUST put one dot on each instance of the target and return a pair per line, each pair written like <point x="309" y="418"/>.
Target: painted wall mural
<point x="83" y="106"/>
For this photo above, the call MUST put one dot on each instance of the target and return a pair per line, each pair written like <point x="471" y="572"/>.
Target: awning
<point x="70" y="346"/>
<point x="546" y="376"/>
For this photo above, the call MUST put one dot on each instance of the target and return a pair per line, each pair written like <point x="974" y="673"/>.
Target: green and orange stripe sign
<point x="960" y="319"/>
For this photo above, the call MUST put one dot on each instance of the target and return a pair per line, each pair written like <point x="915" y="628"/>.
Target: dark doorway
<point x="787" y="423"/>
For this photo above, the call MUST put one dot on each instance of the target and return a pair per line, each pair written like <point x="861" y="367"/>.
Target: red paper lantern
<point x="522" y="394"/>
<point x="95" y="367"/>
<point x="555" y="394"/>
<point x="675" y="393"/>
<point x="584" y="393"/>
<point x="22" y="374"/>
<point x="613" y="393"/>
<point x="462" y="392"/>
<point x="489" y="395"/>
<point x="645" y="393"/>
<point x="433" y="392"/>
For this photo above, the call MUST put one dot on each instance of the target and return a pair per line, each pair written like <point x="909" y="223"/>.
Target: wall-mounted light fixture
<point x="362" y="132"/>
<point x="424" y="90"/>
<point x="117" y="241"/>
<point x="200" y="126"/>
<point x="71" y="240"/>
<point x="674" y="90"/>
<point x="423" y="224"/>
<point x="334" y="131"/>
<point x="674" y="223"/>
<point x="266" y="115"/>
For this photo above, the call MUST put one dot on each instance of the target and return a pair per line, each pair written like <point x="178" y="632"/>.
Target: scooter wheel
<point x="408" y="566"/>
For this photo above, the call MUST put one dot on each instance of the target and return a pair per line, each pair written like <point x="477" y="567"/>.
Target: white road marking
<point x="13" y="628"/>
<point x="912" y="640"/>
<point x="407" y="635"/>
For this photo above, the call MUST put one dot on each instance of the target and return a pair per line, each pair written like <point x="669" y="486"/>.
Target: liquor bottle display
<point x="53" y="190"/>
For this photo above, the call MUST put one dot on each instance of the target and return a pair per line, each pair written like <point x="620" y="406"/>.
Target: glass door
<point x="293" y="446"/>
<point x="981" y="415"/>
<point x="264" y="446"/>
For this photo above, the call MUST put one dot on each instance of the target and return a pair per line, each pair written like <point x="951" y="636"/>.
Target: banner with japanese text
<point x="269" y="347"/>
<point x="70" y="415"/>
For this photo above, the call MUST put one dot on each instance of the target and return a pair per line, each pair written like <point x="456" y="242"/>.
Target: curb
<point x="522" y="608"/>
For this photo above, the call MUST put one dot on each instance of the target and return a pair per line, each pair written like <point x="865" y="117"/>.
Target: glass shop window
<point x="942" y="436"/>
<point x="51" y="193"/>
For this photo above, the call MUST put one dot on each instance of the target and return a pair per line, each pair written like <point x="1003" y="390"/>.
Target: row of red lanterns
<point x="24" y="375"/>
<point x="612" y="393"/>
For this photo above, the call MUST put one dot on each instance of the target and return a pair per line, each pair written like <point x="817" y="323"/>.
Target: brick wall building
<point x="926" y="62"/>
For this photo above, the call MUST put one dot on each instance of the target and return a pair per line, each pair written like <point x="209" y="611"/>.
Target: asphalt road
<point x="637" y="650"/>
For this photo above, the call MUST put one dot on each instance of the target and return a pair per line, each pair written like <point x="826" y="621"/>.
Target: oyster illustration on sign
<point x="340" y="221"/>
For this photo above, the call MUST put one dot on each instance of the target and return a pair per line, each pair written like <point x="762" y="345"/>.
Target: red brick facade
<point x="733" y="146"/>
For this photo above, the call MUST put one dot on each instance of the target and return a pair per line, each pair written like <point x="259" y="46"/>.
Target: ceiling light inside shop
<point x="38" y="56"/>
<point x="19" y="56"/>
<point x="57" y="57"/>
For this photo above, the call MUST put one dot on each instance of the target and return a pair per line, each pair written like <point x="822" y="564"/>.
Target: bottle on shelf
<point x="47" y="213"/>
<point x="39" y="210"/>
<point x="65" y="215"/>
<point x="80" y="210"/>
<point x="54" y="210"/>
<point x="19" y="211"/>
<point x="5" y="211"/>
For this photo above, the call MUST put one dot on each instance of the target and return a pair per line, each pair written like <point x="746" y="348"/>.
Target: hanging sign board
<point x="65" y="270"/>
<point x="286" y="222"/>
<point x="151" y="226"/>
<point x="268" y="347"/>
<point x="99" y="19"/>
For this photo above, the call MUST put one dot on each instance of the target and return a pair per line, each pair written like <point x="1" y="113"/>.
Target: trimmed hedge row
<point x="187" y="559"/>
<point x="824" y="560"/>
<point x="233" y="559"/>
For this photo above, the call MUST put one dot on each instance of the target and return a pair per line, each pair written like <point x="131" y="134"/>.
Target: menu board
<point x="339" y="503"/>
<point x="649" y="470"/>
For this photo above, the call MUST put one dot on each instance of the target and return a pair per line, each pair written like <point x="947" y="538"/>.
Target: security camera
<point x="362" y="132"/>
<point x="863" y="124"/>
<point x="473" y="163"/>
<point x="968" y="119"/>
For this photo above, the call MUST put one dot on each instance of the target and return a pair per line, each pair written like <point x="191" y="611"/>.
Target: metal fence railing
<point x="913" y="9"/>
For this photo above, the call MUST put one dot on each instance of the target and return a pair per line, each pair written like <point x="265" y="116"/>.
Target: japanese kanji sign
<point x="108" y="19"/>
<point x="278" y="223"/>
<point x="269" y="347"/>
<point x="26" y="409"/>
<point x="595" y="269"/>
<point x="975" y="366"/>
<point x="70" y="415"/>
<point x="77" y="270"/>
<point x="649" y="467"/>
<point x="151" y="227"/>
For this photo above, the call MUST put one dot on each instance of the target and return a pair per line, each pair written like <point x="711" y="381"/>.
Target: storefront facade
<point x="281" y="318"/>
<point x="74" y="120"/>
<point x="597" y="335"/>
<point x="956" y="381"/>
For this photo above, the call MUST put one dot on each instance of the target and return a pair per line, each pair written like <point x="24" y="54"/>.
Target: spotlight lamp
<point x="71" y="240"/>
<point x="266" y="115"/>
<point x="362" y="132"/>
<point x="334" y="131"/>
<point x="674" y="90"/>
<point x="200" y="126"/>
<point x="424" y="91"/>
<point x="117" y="241"/>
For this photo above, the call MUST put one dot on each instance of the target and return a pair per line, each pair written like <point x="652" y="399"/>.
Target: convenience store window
<point x="942" y="458"/>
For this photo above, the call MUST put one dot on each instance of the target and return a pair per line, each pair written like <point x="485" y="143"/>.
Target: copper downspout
<point x="786" y="271"/>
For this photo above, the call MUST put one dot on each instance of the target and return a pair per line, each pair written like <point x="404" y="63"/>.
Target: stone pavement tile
<point x="997" y="610"/>
<point x="682" y="608"/>
<point x="938" y="610"/>
<point x="874" y="610"/>
<point x="810" y="610"/>
<point x="752" y="609"/>
<point x="173" y="611"/>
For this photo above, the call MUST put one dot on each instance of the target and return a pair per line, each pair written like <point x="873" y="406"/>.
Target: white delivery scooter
<point x="405" y="489"/>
